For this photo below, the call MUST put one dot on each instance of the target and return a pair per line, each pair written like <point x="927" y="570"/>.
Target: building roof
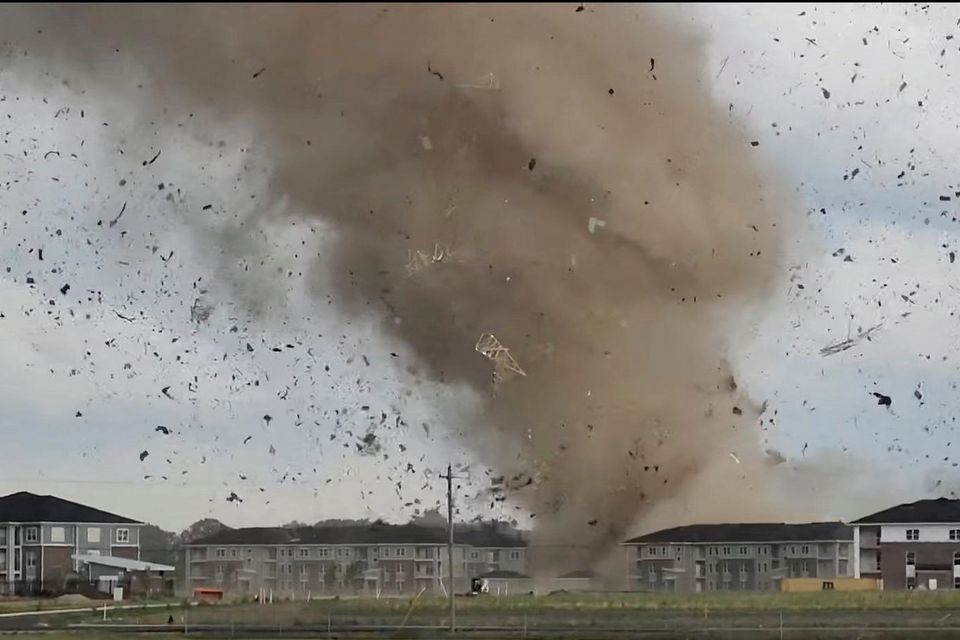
<point x="128" y="564"/>
<point x="749" y="532"/>
<point x="374" y="533"/>
<point x="29" y="507"/>
<point x="921" y="511"/>
<point x="579" y="574"/>
<point x="504" y="575"/>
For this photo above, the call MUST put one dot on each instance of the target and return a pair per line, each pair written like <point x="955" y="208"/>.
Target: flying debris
<point x="504" y="363"/>
<point x="233" y="497"/>
<point x="843" y="345"/>
<point x="882" y="400"/>
<point x="162" y="429"/>
<point x="143" y="455"/>
<point x="418" y="260"/>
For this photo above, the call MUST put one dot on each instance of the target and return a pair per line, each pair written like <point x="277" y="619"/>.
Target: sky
<point x="140" y="379"/>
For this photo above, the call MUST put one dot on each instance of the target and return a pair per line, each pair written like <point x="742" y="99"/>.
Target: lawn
<point x="589" y="611"/>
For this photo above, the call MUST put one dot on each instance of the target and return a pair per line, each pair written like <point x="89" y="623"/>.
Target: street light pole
<point x="450" y="589"/>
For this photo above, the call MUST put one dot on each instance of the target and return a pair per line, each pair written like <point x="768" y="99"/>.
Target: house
<point x="378" y="558"/>
<point x="580" y="580"/>
<point x="738" y="557"/>
<point x="910" y="546"/>
<point x="503" y="582"/>
<point x="40" y="537"/>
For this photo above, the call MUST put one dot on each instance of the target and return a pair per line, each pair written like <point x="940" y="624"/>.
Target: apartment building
<point x="41" y="535"/>
<point x="378" y="558"/>
<point x="738" y="557"/>
<point x="911" y="546"/>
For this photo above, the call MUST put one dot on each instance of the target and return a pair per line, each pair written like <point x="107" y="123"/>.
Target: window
<point x="93" y="534"/>
<point x="805" y="550"/>
<point x="474" y="555"/>
<point x="743" y="551"/>
<point x="764" y="567"/>
<point x="803" y="566"/>
<point x="249" y="561"/>
<point x="303" y="552"/>
<point x="955" y="534"/>
<point x="249" y="551"/>
<point x="221" y="553"/>
<point x="956" y="558"/>
<point x="793" y="550"/>
<point x="3" y="536"/>
<point x="323" y="553"/>
<point x="234" y="553"/>
<point x="774" y="564"/>
<point x="123" y="535"/>
<point x="878" y="561"/>
<point x="912" y="558"/>
<point x="339" y="552"/>
<point x="743" y="567"/>
<point x="514" y="555"/>
<point x="726" y="551"/>
<point x="652" y="551"/>
<point x="652" y="575"/>
<point x="57" y="534"/>
<point x="31" y="534"/>
<point x="913" y="534"/>
<point x="400" y="552"/>
<point x="911" y="583"/>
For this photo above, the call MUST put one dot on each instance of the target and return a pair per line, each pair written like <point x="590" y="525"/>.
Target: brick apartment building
<point x="40" y="537"/>
<point x="738" y="557"/>
<point x="377" y="558"/>
<point x="911" y="546"/>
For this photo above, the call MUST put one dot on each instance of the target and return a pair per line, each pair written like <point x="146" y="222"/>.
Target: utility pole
<point x="450" y="590"/>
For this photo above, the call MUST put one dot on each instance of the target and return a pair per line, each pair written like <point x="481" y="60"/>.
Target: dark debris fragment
<point x="882" y="400"/>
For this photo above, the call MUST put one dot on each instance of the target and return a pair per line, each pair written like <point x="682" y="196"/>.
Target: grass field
<point x="682" y="614"/>
<point x="716" y="615"/>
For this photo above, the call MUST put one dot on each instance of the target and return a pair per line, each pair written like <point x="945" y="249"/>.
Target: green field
<point x="715" y="615"/>
<point x="544" y="615"/>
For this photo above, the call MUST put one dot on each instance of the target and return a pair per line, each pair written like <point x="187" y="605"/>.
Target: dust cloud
<point x="559" y="178"/>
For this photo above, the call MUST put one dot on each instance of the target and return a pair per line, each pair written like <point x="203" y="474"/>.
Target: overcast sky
<point x="128" y="323"/>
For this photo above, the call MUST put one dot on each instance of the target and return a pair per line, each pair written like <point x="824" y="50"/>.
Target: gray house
<point x="738" y="557"/>
<point x="42" y="536"/>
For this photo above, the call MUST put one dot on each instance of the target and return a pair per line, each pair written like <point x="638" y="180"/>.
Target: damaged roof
<point x="24" y="506"/>
<point x="749" y="532"/>
<point x="936" y="510"/>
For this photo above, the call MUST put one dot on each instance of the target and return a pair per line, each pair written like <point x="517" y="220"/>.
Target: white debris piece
<point x="595" y="223"/>
<point x="488" y="82"/>
<point x="417" y="260"/>
<point x="735" y="458"/>
<point x="426" y="143"/>
<point x="489" y="346"/>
